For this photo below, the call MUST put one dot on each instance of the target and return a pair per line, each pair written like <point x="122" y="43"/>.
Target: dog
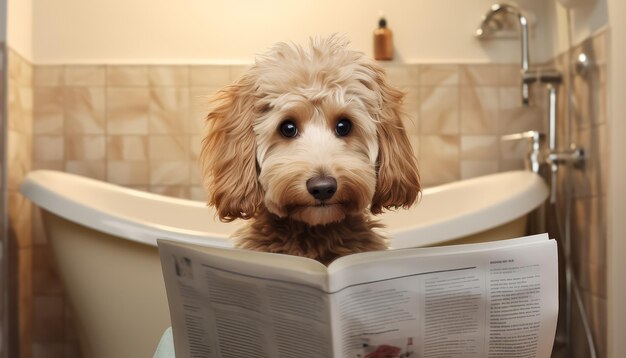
<point x="307" y="145"/>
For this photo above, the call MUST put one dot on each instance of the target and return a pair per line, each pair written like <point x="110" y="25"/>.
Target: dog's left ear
<point x="398" y="183"/>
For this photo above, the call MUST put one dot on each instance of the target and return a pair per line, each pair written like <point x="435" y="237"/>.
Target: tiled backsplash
<point x="19" y="160"/>
<point x="141" y="126"/>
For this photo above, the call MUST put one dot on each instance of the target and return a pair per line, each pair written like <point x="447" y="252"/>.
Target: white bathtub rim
<point x="107" y="221"/>
<point x="446" y="227"/>
<point x="461" y="224"/>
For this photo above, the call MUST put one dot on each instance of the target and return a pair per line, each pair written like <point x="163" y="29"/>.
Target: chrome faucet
<point x="494" y="21"/>
<point x="538" y="155"/>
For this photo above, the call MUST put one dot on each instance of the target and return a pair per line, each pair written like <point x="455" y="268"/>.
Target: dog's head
<point x="311" y="135"/>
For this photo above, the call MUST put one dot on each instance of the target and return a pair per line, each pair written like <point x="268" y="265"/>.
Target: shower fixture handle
<point x="534" y="157"/>
<point x="574" y="156"/>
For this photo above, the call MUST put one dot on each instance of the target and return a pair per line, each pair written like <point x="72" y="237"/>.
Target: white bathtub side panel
<point x="115" y="286"/>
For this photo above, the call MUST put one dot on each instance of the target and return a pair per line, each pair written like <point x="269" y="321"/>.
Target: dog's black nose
<point x="322" y="188"/>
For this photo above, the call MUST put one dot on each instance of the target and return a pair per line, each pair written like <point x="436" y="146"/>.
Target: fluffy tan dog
<point x="306" y="145"/>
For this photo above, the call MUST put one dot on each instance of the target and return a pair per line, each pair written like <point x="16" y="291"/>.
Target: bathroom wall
<point x="19" y="27"/>
<point x="201" y="31"/>
<point x="19" y="160"/>
<point x="105" y="107"/>
<point x="586" y="19"/>
<point x="585" y="123"/>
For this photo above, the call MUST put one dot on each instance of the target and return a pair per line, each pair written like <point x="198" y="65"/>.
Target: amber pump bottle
<point x="383" y="41"/>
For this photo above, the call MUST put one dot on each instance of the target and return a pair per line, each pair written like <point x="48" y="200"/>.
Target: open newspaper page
<point x="246" y="305"/>
<point x="480" y="300"/>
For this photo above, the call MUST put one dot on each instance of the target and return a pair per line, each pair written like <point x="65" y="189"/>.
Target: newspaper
<point x="497" y="299"/>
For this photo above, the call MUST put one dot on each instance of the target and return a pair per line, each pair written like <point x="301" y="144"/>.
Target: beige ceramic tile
<point x="506" y="165"/>
<point x="85" y="75"/>
<point x="84" y="110"/>
<point x="127" y="110"/>
<point x="199" y="103"/>
<point x="48" y="314"/>
<point x="589" y="235"/>
<point x="592" y="177"/>
<point x="596" y="312"/>
<point x="599" y="48"/>
<point x="171" y="190"/>
<point x="439" y="159"/>
<point x="19" y="158"/>
<point x="168" y="75"/>
<point x="210" y="75"/>
<point x="236" y="71"/>
<point x="602" y="74"/>
<point x="58" y="165"/>
<point x="20" y="107"/>
<point x="195" y="146"/>
<point x="195" y="173"/>
<point x="20" y="70"/>
<point x="480" y="147"/>
<point x="48" y="349"/>
<point x="598" y="101"/>
<point x="402" y="76"/>
<point x="169" y="173"/>
<point x="127" y="76"/>
<point x="120" y="148"/>
<point x="592" y="278"/>
<point x="48" y="110"/>
<point x="479" y="75"/>
<point x="479" y="110"/>
<point x="411" y="107"/>
<point x="169" y="110"/>
<point x="513" y="117"/>
<point x="476" y="168"/>
<point x="72" y="332"/>
<point x="24" y="299"/>
<point x="510" y="75"/>
<point x="95" y="169"/>
<point x="599" y="324"/>
<point x="128" y="172"/>
<point x="39" y="234"/>
<point x="582" y="111"/>
<point x="514" y="149"/>
<point x="438" y="75"/>
<point x="198" y="193"/>
<point x="139" y="187"/>
<point x="48" y="148"/>
<point x="167" y="148"/>
<point x="45" y="75"/>
<point x="414" y="140"/>
<point x="19" y="208"/>
<point x="439" y="110"/>
<point x="46" y="280"/>
<point x="85" y="147"/>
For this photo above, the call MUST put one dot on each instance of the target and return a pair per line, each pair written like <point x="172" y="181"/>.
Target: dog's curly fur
<point x="252" y="171"/>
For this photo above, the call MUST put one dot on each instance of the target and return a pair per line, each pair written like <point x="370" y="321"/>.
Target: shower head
<point x="496" y="19"/>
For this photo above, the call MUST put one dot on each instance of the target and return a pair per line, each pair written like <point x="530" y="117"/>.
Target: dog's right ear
<point x="228" y="154"/>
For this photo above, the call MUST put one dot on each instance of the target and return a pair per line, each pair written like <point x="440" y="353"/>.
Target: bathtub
<point x="104" y="240"/>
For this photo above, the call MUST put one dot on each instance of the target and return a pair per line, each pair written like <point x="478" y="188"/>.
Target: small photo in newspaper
<point x="183" y="267"/>
<point x="392" y="348"/>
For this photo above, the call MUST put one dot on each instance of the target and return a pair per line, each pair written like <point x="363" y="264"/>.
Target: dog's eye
<point x="288" y="129"/>
<point x="343" y="127"/>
